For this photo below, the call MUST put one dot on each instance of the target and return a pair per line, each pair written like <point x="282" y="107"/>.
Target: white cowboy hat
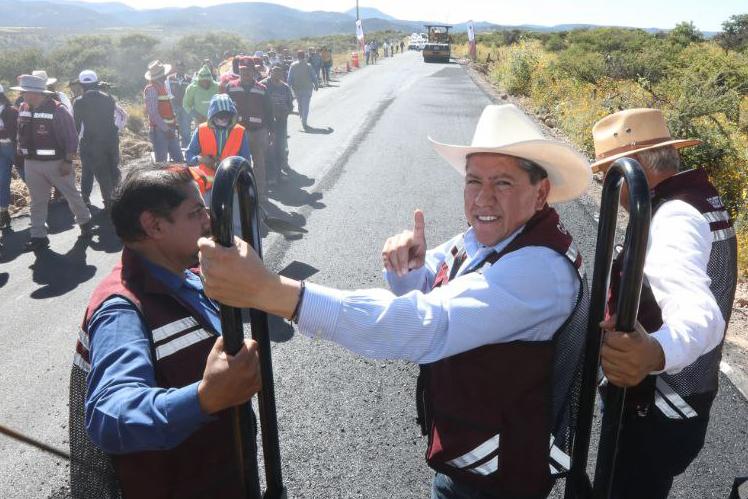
<point x="628" y="132"/>
<point x="31" y="83"/>
<point x="157" y="69"/>
<point x="507" y="130"/>
<point x="43" y="75"/>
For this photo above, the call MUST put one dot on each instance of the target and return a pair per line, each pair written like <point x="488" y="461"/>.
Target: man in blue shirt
<point x="158" y="381"/>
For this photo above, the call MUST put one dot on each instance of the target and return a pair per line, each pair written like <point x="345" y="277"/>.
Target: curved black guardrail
<point x="578" y="484"/>
<point x="234" y="176"/>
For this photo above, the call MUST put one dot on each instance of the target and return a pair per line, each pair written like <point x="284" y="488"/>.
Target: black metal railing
<point x="234" y="176"/>
<point x="578" y="485"/>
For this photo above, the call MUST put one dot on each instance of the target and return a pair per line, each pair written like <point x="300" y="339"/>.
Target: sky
<point x="707" y="16"/>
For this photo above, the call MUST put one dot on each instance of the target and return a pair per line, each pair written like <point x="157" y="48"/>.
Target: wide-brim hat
<point x="157" y="69"/>
<point x="43" y="75"/>
<point x="631" y="131"/>
<point x="31" y="83"/>
<point x="507" y="130"/>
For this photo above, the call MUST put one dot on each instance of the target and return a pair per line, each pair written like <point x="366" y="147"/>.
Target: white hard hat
<point x="87" y="76"/>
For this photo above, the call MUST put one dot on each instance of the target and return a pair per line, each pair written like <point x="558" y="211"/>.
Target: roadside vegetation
<point x="573" y="79"/>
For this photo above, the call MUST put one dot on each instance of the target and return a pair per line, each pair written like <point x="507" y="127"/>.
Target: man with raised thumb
<point x="485" y="314"/>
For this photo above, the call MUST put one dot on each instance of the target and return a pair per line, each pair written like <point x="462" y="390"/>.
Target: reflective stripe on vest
<point x="204" y="174"/>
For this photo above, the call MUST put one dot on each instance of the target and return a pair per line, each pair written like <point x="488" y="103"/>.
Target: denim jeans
<point x="165" y="147"/>
<point x="443" y="487"/>
<point x="279" y="150"/>
<point x="184" y="122"/>
<point x="7" y="157"/>
<point x="304" y="99"/>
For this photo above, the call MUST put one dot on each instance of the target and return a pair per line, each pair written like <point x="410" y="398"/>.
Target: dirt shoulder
<point x="735" y="354"/>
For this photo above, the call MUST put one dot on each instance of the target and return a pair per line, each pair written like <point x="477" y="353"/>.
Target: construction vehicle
<point x="438" y="48"/>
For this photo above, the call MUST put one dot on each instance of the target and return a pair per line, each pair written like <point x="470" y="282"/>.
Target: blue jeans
<point x="184" y="122"/>
<point x="165" y="147"/>
<point x="304" y="99"/>
<point x="444" y="487"/>
<point x="7" y="157"/>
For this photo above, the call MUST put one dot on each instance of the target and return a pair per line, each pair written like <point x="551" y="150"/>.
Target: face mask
<point x="222" y="122"/>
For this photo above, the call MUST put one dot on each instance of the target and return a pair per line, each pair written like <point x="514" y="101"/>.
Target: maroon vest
<point x="689" y="393"/>
<point x="249" y="104"/>
<point x="36" y="135"/>
<point x="491" y="413"/>
<point x="181" y="340"/>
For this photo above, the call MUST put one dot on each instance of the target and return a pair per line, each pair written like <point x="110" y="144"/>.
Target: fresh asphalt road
<point x="346" y="423"/>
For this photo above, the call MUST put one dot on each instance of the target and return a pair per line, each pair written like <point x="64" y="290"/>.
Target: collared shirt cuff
<point x="184" y="412"/>
<point x="319" y="311"/>
<point x="669" y="343"/>
<point x="412" y="281"/>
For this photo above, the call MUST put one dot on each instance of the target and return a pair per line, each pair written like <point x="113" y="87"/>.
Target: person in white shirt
<point x="509" y="282"/>
<point x="671" y="363"/>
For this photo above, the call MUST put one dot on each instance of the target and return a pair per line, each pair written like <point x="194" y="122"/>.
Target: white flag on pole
<point x="359" y="30"/>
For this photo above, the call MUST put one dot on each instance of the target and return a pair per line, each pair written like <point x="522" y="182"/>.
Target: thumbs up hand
<point x="406" y="251"/>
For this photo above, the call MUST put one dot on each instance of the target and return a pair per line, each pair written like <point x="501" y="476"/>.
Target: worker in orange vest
<point x="215" y="140"/>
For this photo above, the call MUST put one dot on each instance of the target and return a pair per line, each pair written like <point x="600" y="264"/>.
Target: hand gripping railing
<point x="234" y="176"/>
<point x="625" y="169"/>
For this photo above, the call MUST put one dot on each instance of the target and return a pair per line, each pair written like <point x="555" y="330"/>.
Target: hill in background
<point x="253" y="20"/>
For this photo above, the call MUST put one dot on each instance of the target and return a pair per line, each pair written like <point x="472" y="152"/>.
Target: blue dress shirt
<point x="125" y="410"/>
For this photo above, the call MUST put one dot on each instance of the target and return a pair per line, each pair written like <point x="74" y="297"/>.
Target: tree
<point x="734" y="34"/>
<point x="685" y="33"/>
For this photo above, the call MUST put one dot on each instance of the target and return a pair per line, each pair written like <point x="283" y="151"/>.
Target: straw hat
<point x="43" y="75"/>
<point x="31" y="83"/>
<point x="157" y="69"/>
<point x="507" y="130"/>
<point x="629" y="132"/>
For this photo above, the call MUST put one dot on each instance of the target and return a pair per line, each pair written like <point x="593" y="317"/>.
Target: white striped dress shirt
<point x="526" y="295"/>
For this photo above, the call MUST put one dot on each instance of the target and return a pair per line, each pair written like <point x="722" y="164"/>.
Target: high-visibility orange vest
<point x="165" y="108"/>
<point x="204" y="174"/>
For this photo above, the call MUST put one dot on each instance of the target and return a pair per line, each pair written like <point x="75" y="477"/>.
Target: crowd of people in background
<point x="247" y="97"/>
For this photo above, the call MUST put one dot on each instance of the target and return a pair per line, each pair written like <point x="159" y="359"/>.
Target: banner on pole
<point x="360" y="32"/>
<point x="471" y="39"/>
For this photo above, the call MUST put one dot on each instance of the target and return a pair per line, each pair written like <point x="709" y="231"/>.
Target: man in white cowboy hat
<point x="47" y="140"/>
<point x="690" y="277"/>
<point x="94" y="114"/>
<point x="60" y="97"/>
<point x="489" y="305"/>
<point x="161" y="115"/>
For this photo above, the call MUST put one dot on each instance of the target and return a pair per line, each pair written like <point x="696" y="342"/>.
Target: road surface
<point x="347" y="423"/>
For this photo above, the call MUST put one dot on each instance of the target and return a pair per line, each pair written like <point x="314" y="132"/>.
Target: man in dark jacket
<point x="282" y="99"/>
<point x="8" y="130"/>
<point x="99" y="145"/>
<point x="255" y="114"/>
<point x="177" y="83"/>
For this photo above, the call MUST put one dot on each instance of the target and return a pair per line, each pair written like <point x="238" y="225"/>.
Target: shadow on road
<point x="59" y="274"/>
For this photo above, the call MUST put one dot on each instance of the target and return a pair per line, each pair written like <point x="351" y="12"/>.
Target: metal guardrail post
<point x="578" y="484"/>
<point x="234" y="176"/>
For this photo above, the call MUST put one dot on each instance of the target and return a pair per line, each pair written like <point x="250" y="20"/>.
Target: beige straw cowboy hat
<point x="507" y="130"/>
<point x="157" y="69"/>
<point x="628" y="132"/>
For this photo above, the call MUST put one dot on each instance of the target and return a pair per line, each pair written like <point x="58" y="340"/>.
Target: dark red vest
<point x="490" y="413"/>
<point x="181" y="340"/>
<point x="249" y="104"/>
<point x="689" y="393"/>
<point x="36" y="135"/>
